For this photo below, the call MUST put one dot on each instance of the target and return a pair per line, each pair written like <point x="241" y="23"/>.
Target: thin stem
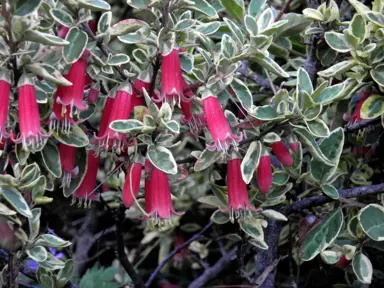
<point x="175" y="251"/>
<point x="124" y="261"/>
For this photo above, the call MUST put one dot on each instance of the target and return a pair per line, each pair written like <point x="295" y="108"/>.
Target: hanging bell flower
<point x="132" y="183"/>
<point x="264" y="172"/>
<point x="282" y="153"/>
<point x="5" y="88"/>
<point x="67" y="159"/>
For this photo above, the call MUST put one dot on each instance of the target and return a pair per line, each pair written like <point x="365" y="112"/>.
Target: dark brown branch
<point x="360" y="125"/>
<point x="243" y="70"/>
<point x="215" y="270"/>
<point x="128" y="267"/>
<point x="175" y="251"/>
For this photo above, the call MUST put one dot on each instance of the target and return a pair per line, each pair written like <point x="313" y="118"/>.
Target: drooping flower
<point x="218" y="125"/>
<point x="171" y="79"/>
<point x="67" y="159"/>
<point x="5" y="87"/>
<point x="238" y="200"/>
<point x="93" y="93"/>
<point x="63" y="31"/>
<point x="264" y="172"/>
<point x="121" y="107"/>
<point x="85" y="192"/>
<point x="132" y="183"/>
<point x="72" y="96"/>
<point x="158" y="199"/>
<point x="31" y="136"/>
<point x="293" y="143"/>
<point x="105" y="117"/>
<point x="282" y="153"/>
<point x="60" y="119"/>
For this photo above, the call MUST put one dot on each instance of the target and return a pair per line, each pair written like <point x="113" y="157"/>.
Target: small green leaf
<point x="358" y="27"/>
<point x="280" y="178"/>
<point x="95" y="5"/>
<point x="271" y="66"/>
<point x="371" y="219"/>
<point x="265" y="20"/>
<point x="62" y="17"/>
<point x="44" y="38"/>
<point x="318" y="128"/>
<point x="48" y="72"/>
<point x="329" y="94"/>
<point x="75" y="138"/>
<point x="34" y="223"/>
<point x="52" y="263"/>
<point x="51" y="159"/>
<point x="251" y="161"/>
<point x="322" y="235"/>
<point x="254" y="229"/>
<point x="26" y="7"/>
<point x="376" y="18"/>
<point x="243" y="94"/>
<point x="304" y="82"/>
<point x="235" y="29"/>
<point x="127" y="26"/>
<point x="206" y="159"/>
<point x="254" y="7"/>
<point x="378" y="74"/>
<point x="162" y="159"/>
<point x="251" y="25"/>
<point x="219" y="217"/>
<point x="37" y="253"/>
<point x="338" y="68"/>
<point x="362" y="267"/>
<point x="372" y="107"/>
<point x="118" y="59"/>
<point x="313" y="14"/>
<point x="330" y="191"/>
<point x="273" y="214"/>
<point x="337" y="42"/>
<point x="78" y="40"/>
<point x="104" y="22"/>
<point x="235" y="8"/>
<point x="16" y="200"/>
<point x="265" y="113"/>
<point x="50" y="240"/>
<point x="208" y="28"/>
<point x="127" y="126"/>
<point x="204" y="7"/>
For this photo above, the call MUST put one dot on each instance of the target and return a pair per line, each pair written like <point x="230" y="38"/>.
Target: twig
<point x="11" y="271"/>
<point x="175" y="251"/>
<point x="283" y="10"/>
<point x="323" y="199"/>
<point x="260" y="280"/>
<point x="124" y="261"/>
<point x="360" y="125"/>
<point x="243" y="70"/>
<point x="214" y="270"/>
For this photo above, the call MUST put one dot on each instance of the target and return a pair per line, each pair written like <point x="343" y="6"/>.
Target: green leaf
<point x="50" y="240"/>
<point x="243" y="94"/>
<point x="34" y="224"/>
<point x="235" y="8"/>
<point x="250" y="161"/>
<point x="172" y="126"/>
<point x="337" y="42"/>
<point x="328" y="94"/>
<point x="162" y="159"/>
<point x="51" y="159"/>
<point x="236" y="31"/>
<point x="271" y="66"/>
<point x="118" y="59"/>
<point x="221" y="193"/>
<point x="48" y="72"/>
<point x="219" y="217"/>
<point x="280" y="178"/>
<point x="68" y="270"/>
<point x="372" y="107"/>
<point x="253" y="228"/>
<point x="26" y="7"/>
<point x="4" y="210"/>
<point x="16" y="200"/>
<point x="52" y="263"/>
<point x="166" y="41"/>
<point x="204" y="7"/>
<point x="104" y="22"/>
<point x="376" y="18"/>
<point x="62" y="17"/>
<point x="78" y="40"/>
<point x="313" y="14"/>
<point x="228" y="47"/>
<point x="338" y="68"/>
<point x="76" y="138"/>
<point x="127" y="26"/>
<point x="304" y="82"/>
<point x="278" y="191"/>
<point x="254" y="7"/>
<point x="358" y="27"/>
<point x="37" y="253"/>
<point x="273" y="214"/>
<point x="371" y="219"/>
<point x="378" y="74"/>
<point x="330" y="191"/>
<point x="322" y="235"/>
<point x="127" y="126"/>
<point x="44" y="38"/>
<point x="81" y="161"/>
<point x="318" y="128"/>
<point x="212" y="200"/>
<point x="95" y="5"/>
<point x="139" y="4"/>
<point x="360" y="7"/>
<point x="362" y="267"/>
<point x="265" y="20"/>
<point x="265" y="113"/>
<point x="206" y="159"/>
<point x="251" y="25"/>
<point x="208" y="28"/>
<point x="184" y="24"/>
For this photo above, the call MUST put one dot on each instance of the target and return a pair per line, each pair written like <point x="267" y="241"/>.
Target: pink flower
<point x="5" y="87"/>
<point x="171" y="79"/>
<point x="282" y="153"/>
<point x="93" y="95"/>
<point x="238" y="200"/>
<point x="60" y="118"/>
<point x="158" y="199"/>
<point x="63" y="31"/>
<point x="132" y="183"/>
<point x="137" y="98"/>
<point x="120" y="110"/>
<point x="85" y="191"/>
<point x="264" y="173"/>
<point x="31" y="136"/>
<point x="218" y="125"/>
<point x="105" y="117"/>
<point x="67" y="159"/>
<point x="293" y="143"/>
<point x="72" y="96"/>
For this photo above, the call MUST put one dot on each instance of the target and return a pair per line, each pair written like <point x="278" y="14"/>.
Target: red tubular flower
<point x="264" y="173"/>
<point x="356" y="116"/>
<point x="93" y="94"/>
<point x="60" y="118"/>
<point x="293" y="143"/>
<point x="282" y="153"/>
<point x="238" y="200"/>
<point x="218" y="125"/>
<point x="120" y="110"/>
<point x="31" y="136"/>
<point x="105" y="117"/>
<point x="5" y="87"/>
<point x="85" y="191"/>
<point x="73" y="95"/>
<point x="132" y="184"/>
<point x="343" y="262"/>
<point x="137" y="98"/>
<point x="171" y="79"/>
<point x="63" y="31"/>
<point x="158" y="197"/>
<point x="67" y="159"/>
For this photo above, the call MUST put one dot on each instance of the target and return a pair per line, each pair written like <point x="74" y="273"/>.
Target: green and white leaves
<point x="162" y="159"/>
<point x="16" y="200"/>
<point x="371" y="219"/>
<point x="362" y="267"/>
<point x="322" y="235"/>
<point x="337" y="41"/>
<point x="78" y="40"/>
<point x="251" y="161"/>
<point x="26" y="7"/>
<point x="206" y="159"/>
<point x="235" y="8"/>
<point x="372" y="107"/>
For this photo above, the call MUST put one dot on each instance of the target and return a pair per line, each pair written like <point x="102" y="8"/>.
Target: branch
<point x="361" y="124"/>
<point x="212" y="272"/>
<point x="128" y="267"/>
<point x="243" y="70"/>
<point x="318" y="200"/>
<point x="175" y="251"/>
